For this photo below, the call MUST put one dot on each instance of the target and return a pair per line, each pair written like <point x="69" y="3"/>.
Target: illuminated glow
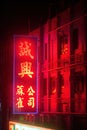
<point x="31" y="102"/>
<point x="25" y="73"/>
<point x="11" y="127"/>
<point x="65" y="49"/>
<point x="20" y="102"/>
<point x="20" y="90"/>
<point x="26" y="69"/>
<point x="30" y="91"/>
<point x="20" y="126"/>
<point x="25" y="49"/>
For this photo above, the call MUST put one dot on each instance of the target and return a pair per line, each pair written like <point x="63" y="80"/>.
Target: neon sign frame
<point x="16" y="79"/>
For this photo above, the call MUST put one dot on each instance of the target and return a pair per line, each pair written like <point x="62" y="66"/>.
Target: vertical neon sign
<point x="25" y="84"/>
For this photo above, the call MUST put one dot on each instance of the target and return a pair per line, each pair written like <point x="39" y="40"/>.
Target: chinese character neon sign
<point x="25" y="75"/>
<point x="26" y="69"/>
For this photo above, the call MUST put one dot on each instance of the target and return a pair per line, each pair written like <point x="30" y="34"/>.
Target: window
<point x="52" y="86"/>
<point x="63" y="43"/>
<point x="75" y="38"/>
<point x="44" y="86"/>
<point x="79" y="82"/>
<point x="60" y="85"/>
<point x="45" y="51"/>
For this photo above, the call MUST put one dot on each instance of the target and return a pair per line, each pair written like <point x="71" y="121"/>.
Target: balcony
<point x="63" y="106"/>
<point x="66" y="61"/>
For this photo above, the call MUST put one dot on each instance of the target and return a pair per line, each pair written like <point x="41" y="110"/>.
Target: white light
<point x="20" y="126"/>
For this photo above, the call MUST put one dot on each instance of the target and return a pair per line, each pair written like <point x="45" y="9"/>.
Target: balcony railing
<point x="66" y="61"/>
<point x="64" y="106"/>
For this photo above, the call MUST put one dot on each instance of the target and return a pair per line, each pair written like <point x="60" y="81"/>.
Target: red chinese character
<point x="20" y="90"/>
<point x="25" y="49"/>
<point x="20" y="102"/>
<point x="31" y="102"/>
<point x="26" y="69"/>
<point x="30" y="91"/>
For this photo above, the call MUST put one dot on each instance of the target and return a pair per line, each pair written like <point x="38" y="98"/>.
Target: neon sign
<point x="25" y="84"/>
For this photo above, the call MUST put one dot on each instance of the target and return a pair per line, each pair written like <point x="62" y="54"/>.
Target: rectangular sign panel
<point x="25" y="71"/>
<point x="20" y="126"/>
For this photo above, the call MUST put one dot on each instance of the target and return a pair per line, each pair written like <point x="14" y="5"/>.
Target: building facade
<point x="62" y="52"/>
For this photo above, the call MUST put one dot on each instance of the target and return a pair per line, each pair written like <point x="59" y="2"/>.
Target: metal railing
<point x="66" y="61"/>
<point x="63" y="106"/>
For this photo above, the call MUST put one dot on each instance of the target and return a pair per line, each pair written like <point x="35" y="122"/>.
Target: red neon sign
<point x="25" y="75"/>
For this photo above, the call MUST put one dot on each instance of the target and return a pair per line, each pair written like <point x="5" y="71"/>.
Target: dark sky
<point x="16" y="15"/>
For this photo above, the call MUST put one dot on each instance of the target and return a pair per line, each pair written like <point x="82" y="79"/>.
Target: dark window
<point x="61" y="84"/>
<point x="45" y="51"/>
<point x="79" y="82"/>
<point x="63" y="43"/>
<point x="75" y="38"/>
<point x="52" y="86"/>
<point x="44" y="86"/>
<point x="50" y="89"/>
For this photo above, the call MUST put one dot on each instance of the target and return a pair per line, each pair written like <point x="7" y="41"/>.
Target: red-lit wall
<point x="59" y="59"/>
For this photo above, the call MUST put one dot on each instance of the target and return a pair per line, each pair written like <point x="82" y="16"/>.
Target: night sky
<point x="16" y="16"/>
